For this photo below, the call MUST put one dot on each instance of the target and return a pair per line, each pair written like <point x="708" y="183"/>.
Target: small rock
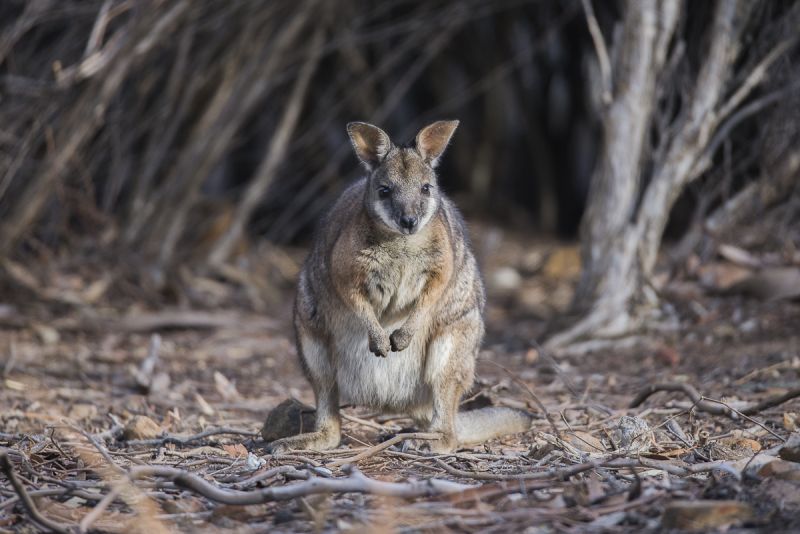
<point x="225" y="387"/>
<point x="700" y="516"/>
<point x="791" y="422"/>
<point x="160" y="384"/>
<point x="505" y="279"/>
<point x="82" y="411"/>
<point x="47" y="334"/>
<point x="632" y="434"/>
<point x="781" y="470"/>
<point x="585" y="442"/>
<point x="564" y="263"/>
<point x="289" y="418"/>
<point x="531" y="356"/>
<point x="791" y="449"/>
<point x="733" y="448"/>
<point x="540" y="448"/>
<point x="532" y="261"/>
<point x="785" y="494"/>
<point x="254" y="462"/>
<point x="141" y="427"/>
<point x="668" y="355"/>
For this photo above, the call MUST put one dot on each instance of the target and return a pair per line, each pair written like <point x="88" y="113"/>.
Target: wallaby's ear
<point x="433" y="139"/>
<point x="370" y="143"/>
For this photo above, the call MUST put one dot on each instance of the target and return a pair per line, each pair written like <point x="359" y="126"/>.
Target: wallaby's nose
<point x="408" y="223"/>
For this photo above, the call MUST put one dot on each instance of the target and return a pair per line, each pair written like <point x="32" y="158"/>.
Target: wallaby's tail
<point x="483" y="424"/>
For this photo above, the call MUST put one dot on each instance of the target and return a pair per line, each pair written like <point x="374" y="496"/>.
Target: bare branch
<point x="711" y="406"/>
<point x="89" y="519"/>
<point x="355" y="483"/>
<point x="25" y="499"/>
<point x="756" y="76"/>
<point x="371" y="451"/>
<point x="180" y="440"/>
<point x="278" y="147"/>
<point x="600" y="48"/>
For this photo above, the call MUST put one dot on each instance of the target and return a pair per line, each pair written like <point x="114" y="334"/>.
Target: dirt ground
<point x="100" y="383"/>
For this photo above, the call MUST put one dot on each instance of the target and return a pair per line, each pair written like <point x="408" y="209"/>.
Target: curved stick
<point x="355" y="483"/>
<point x="25" y="499"/>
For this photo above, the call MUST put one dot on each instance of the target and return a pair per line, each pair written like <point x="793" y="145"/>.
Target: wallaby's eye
<point x="384" y="191"/>
<point x="426" y="189"/>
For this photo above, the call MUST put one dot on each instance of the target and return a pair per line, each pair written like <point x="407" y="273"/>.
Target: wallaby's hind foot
<point x="448" y="443"/>
<point x="312" y="441"/>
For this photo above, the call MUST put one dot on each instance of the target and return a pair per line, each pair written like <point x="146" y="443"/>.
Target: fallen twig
<point x="25" y="499"/>
<point x="355" y="483"/>
<point x="564" y="473"/>
<point x="50" y="492"/>
<point x="144" y="375"/>
<point x="711" y="406"/>
<point x="89" y="519"/>
<point x="771" y="402"/>
<point x="367" y="423"/>
<point x="371" y="451"/>
<point x="178" y="440"/>
<point x="600" y="48"/>
<point x="270" y="473"/>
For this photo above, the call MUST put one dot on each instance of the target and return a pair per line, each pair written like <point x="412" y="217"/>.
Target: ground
<point x="100" y="385"/>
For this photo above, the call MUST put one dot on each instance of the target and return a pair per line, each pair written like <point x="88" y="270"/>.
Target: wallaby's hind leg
<point x="317" y="366"/>
<point x="445" y="407"/>
<point x="449" y="370"/>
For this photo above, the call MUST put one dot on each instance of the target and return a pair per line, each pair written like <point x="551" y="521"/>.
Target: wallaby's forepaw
<point x="379" y="344"/>
<point x="400" y="339"/>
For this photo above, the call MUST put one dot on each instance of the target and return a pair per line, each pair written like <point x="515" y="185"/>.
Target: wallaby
<point x="389" y="308"/>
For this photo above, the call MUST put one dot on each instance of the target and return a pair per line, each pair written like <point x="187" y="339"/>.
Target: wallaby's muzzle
<point x="408" y="224"/>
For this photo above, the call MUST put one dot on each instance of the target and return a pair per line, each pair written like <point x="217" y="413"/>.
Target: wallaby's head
<point x="402" y="193"/>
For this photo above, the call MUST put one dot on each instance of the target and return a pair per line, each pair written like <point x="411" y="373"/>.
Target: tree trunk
<point x="611" y="279"/>
<point x="624" y="222"/>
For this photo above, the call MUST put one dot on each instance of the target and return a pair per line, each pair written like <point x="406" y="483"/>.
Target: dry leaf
<point x="141" y="427"/>
<point x="585" y="442"/>
<point x="204" y="406"/>
<point x="110" y="521"/>
<point x="564" y="263"/>
<point x="668" y="355"/>
<point x="236" y="450"/>
<point x="781" y="470"/>
<point x="702" y="516"/>
<point x="790" y="450"/>
<point x="47" y="334"/>
<point x="739" y="256"/>
<point x="225" y="387"/>
<point x="82" y="411"/>
<point x="721" y="276"/>
<point x="790" y="421"/>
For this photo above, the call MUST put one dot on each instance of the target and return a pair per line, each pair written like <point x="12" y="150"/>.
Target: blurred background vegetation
<point x="160" y="113"/>
<point x="166" y="134"/>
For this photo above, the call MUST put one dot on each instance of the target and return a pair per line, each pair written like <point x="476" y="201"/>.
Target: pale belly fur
<point x="401" y="382"/>
<point x="396" y="383"/>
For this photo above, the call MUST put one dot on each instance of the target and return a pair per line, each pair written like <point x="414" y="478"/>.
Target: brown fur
<point x="391" y="274"/>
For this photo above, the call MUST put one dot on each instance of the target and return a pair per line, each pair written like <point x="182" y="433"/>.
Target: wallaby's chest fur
<point x="396" y="271"/>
